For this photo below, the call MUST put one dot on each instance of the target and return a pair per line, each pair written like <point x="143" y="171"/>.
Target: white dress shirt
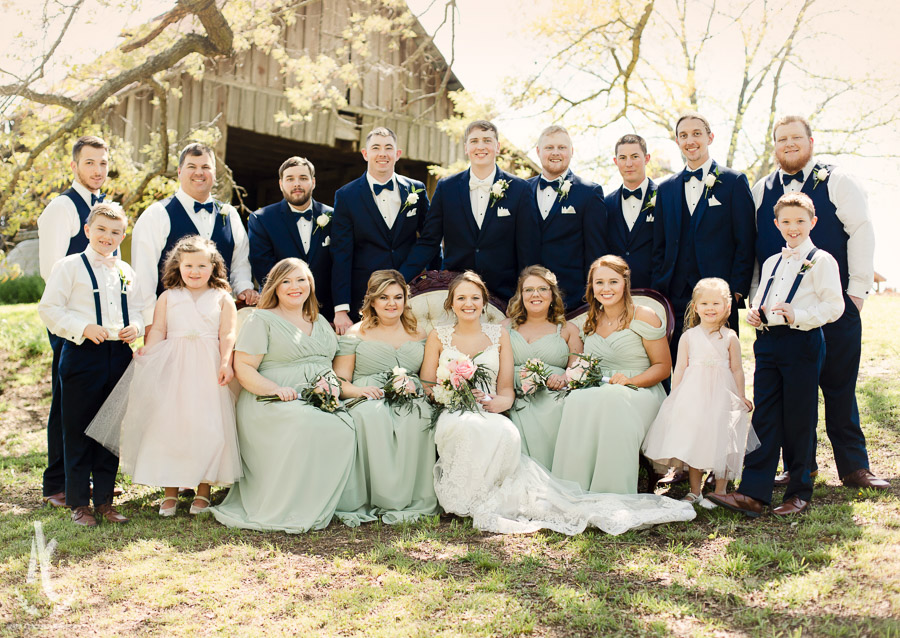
<point x="546" y="197"/>
<point x="304" y="226"/>
<point x="57" y="225"/>
<point x="67" y="305"/>
<point x="149" y="239"/>
<point x="631" y="207"/>
<point x="480" y="196"/>
<point x="387" y="201"/>
<point x="818" y="299"/>
<point x="852" y="208"/>
<point x="694" y="189"/>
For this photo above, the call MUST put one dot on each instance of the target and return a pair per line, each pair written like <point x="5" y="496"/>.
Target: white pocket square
<point x="502" y="212"/>
<point x="568" y="210"/>
<point x="327" y="241"/>
<point x="411" y="213"/>
<point x="649" y="218"/>
<point x="714" y="202"/>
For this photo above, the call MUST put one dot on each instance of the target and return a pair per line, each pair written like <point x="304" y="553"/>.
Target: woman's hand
<point x="748" y="403"/>
<point x="557" y="381"/>
<point x="286" y="393"/>
<point x="495" y="403"/>
<point x="226" y="374"/>
<point x="371" y="392"/>
<point x="620" y="379"/>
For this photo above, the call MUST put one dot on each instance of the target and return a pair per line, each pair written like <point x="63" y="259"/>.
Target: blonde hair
<point x="268" y="298"/>
<point x="469" y="276"/>
<point x="800" y="200"/>
<point x="619" y="265"/>
<point x="713" y="284"/>
<point x="110" y="210"/>
<point x="171" y="276"/>
<point x="379" y="281"/>
<point x="556" y="313"/>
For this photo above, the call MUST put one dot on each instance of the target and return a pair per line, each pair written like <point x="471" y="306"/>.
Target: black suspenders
<point x="90" y="270"/>
<point x="794" y="287"/>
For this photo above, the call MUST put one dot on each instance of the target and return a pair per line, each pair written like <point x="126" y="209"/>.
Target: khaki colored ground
<point x="833" y="572"/>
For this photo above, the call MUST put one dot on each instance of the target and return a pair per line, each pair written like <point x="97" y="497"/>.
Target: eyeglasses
<point x="542" y="290"/>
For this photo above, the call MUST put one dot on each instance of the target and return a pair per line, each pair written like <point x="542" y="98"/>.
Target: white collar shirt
<point x="57" y="224"/>
<point x="387" y="201"/>
<point x="694" y="188"/>
<point x="631" y="207"/>
<point x="546" y="197"/>
<point x="480" y="194"/>
<point x="304" y="226"/>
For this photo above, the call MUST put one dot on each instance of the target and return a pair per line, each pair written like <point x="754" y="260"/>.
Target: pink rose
<point x="466" y="369"/>
<point x="527" y="387"/>
<point x="575" y="373"/>
<point x="322" y="387"/>
<point x="523" y="373"/>
<point x="410" y="386"/>
<point x="457" y="380"/>
<point x="399" y="383"/>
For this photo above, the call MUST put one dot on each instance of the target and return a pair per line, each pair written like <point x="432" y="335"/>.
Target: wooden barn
<point x="243" y="94"/>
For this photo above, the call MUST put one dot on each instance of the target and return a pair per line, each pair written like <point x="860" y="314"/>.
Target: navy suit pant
<point x="87" y="374"/>
<point x="55" y="474"/>
<point x="786" y="394"/>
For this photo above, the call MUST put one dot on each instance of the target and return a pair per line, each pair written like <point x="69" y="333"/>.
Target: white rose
<point x="497" y="189"/>
<point x="399" y="372"/>
<point x="822" y="174"/>
<point x="566" y="185"/>
<point x="412" y="199"/>
<point x="443" y="373"/>
<point x="710" y="180"/>
<point x="442" y="395"/>
<point x="322" y="220"/>
<point x="652" y="201"/>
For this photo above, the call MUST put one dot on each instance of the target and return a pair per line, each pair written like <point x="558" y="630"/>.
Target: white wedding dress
<point x="482" y="473"/>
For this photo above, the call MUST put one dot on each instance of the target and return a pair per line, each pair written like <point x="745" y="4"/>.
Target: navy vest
<point x="79" y="242"/>
<point x="687" y="271"/>
<point x="829" y="233"/>
<point x="181" y="225"/>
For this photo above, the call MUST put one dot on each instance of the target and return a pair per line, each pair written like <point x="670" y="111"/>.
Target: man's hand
<point x="249" y="296"/>
<point x="128" y="334"/>
<point x="342" y="322"/>
<point x="95" y="333"/>
<point x="753" y="317"/>
<point x="857" y="301"/>
<point x="785" y="310"/>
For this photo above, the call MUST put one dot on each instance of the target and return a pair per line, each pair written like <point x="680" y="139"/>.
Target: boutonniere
<point x="412" y="199"/>
<point x="651" y="203"/>
<point x="221" y="212"/>
<point x="322" y="221"/>
<point x="807" y="264"/>
<point x="563" y="191"/>
<point x="820" y="176"/>
<point x="123" y="278"/>
<point x="712" y="178"/>
<point x="498" y="190"/>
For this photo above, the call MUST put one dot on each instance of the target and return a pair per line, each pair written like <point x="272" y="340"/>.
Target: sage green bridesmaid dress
<point x="393" y="475"/>
<point x="538" y="416"/>
<point x="602" y="428"/>
<point x="296" y="458"/>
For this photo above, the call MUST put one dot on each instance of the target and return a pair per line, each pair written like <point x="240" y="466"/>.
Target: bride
<point x="481" y="471"/>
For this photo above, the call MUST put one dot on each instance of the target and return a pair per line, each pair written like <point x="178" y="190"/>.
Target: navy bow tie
<point x="306" y="214"/>
<point x="638" y="193"/>
<point x="97" y="198"/>
<point x="787" y="179"/>
<point x="543" y="183"/>
<point x="377" y="188"/>
<point x="208" y="207"/>
<point x="689" y="174"/>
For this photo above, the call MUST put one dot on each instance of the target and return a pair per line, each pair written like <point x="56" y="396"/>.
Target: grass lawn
<point x="832" y="572"/>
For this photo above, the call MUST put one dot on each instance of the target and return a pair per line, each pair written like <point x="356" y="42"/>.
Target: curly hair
<point x="556" y="312"/>
<point x="619" y="265"/>
<point x="379" y="282"/>
<point x="268" y="297"/>
<point x="171" y="275"/>
<point x="713" y="284"/>
<point x="469" y="276"/>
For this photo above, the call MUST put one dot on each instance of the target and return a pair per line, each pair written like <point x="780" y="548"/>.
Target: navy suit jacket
<point x="508" y="240"/>
<point x="636" y="245"/>
<point x="274" y="236"/>
<point x="362" y="242"/>
<point x="570" y="241"/>
<point x="725" y="233"/>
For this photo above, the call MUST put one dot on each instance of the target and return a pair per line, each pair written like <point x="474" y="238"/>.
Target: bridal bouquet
<point x="587" y="373"/>
<point x="456" y="380"/>
<point x="322" y="393"/>
<point x="400" y="390"/>
<point x="534" y="374"/>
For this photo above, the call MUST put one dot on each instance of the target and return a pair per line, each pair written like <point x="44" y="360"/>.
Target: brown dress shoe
<point x="865" y="478"/>
<point x="81" y="515"/>
<point x="56" y="500"/>
<point x="781" y="480"/>
<point x="794" y="505"/>
<point x="109" y="512"/>
<point x="737" y="502"/>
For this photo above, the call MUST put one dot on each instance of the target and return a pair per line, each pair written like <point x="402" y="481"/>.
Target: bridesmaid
<point x="538" y="330"/>
<point x="602" y="428"/>
<point x="296" y="458"/>
<point x="394" y="472"/>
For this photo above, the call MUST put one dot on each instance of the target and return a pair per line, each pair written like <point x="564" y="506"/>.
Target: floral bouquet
<point x="322" y="393"/>
<point x="586" y="372"/>
<point x="534" y="374"/>
<point x="400" y="390"/>
<point x="456" y="380"/>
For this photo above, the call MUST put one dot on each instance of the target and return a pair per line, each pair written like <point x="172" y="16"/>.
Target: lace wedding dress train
<point x="482" y="473"/>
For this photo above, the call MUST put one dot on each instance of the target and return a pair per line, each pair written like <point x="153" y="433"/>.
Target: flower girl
<point x="702" y="425"/>
<point x="178" y="427"/>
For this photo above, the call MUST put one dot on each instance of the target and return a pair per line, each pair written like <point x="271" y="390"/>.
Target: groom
<point x="486" y="218"/>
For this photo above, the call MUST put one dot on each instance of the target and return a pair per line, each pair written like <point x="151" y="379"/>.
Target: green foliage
<point x="23" y="289"/>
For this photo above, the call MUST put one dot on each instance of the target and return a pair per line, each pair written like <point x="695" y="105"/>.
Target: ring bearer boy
<point x="632" y="210"/>
<point x="572" y="215"/>
<point x="799" y="292"/>
<point x="297" y="226"/>
<point x="61" y="233"/>
<point x="486" y="218"/>
<point x="845" y="231"/>
<point x="92" y="301"/>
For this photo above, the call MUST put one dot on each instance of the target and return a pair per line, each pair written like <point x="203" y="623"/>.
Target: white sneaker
<point x="705" y="503"/>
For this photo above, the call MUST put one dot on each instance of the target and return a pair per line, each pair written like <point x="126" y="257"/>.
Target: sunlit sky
<point x="492" y="44"/>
